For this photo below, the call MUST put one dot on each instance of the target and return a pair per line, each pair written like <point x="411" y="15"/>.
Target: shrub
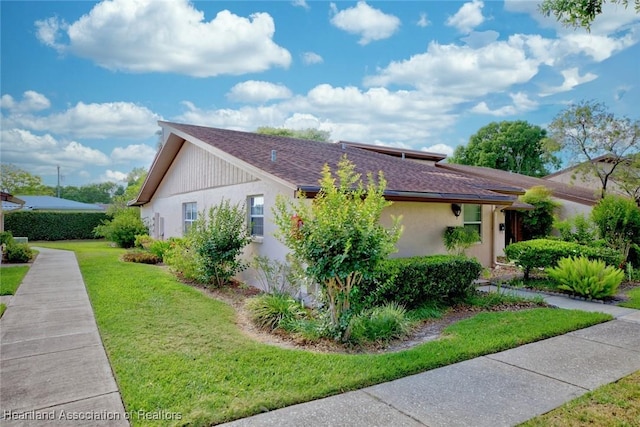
<point x="578" y="229"/>
<point x="160" y="247"/>
<point x="544" y="253"/>
<point x="585" y="277"/>
<point x="18" y="252"/>
<point x="458" y="239"/>
<point x="143" y="241"/>
<point x="618" y="222"/>
<point x="6" y="238"/>
<point x="181" y="259"/>
<point x="123" y="228"/>
<point x="141" y="257"/>
<point x="380" y="324"/>
<point x="218" y="239"/>
<point x="538" y="223"/>
<point x="412" y="282"/>
<point x="273" y="311"/>
<point x="54" y="225"/>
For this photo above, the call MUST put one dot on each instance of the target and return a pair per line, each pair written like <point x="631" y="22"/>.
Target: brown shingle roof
<point x="299" y="163"/>
<point x="558" y="189"/>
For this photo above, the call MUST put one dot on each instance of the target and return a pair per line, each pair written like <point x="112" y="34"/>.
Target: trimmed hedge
<point x="411" y="282"/>
<point x="544" y="253"/>
<point x="54" y="225"/>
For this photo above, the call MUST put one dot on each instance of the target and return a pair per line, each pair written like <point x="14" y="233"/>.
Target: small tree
<point x="218" y="239"/>
<point x="618" y="222"/>
<point x="338" y="235"/>
<point x="538" y="223"/>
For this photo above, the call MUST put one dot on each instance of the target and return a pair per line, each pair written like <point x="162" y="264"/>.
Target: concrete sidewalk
<point x="502" y="389"/>
<point x="53" y="367"/>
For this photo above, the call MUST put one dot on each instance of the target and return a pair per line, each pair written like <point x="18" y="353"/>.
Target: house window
<point x="256" y="215"/>
<point x="472" y="217"/>
<point x="189" y="215"/>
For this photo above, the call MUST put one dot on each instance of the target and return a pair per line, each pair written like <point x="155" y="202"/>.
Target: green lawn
<point x="634" y="299"/>
<point x="616" y="404"/>
<point x="175" y="350"/>
<point x="10" y="279"/>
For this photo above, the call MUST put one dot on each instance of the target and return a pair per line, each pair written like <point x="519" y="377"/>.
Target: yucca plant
<point x="585" y="277"/>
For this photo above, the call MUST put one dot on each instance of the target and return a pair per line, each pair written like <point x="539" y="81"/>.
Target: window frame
<point x="472" y="224"/>
<point x="189" y="216"/>
<point x="251" y="215"/>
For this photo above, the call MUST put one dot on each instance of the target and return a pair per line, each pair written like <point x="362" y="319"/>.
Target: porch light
<point x="456" y="209"/>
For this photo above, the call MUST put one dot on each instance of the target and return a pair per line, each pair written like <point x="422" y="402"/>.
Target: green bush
<point x="585" y="277"/>
<point x="141" y="257"/>
<point x="380" y="324"/>
<point x="538" y="223"/>
<point x="458" y="239"/>
<point x="6" y="238"/>
<point x="578" y="229"/>
<point x="273" y="311"/>
<point x="160" y="247"/>
<point x="18" y="252"/>
<point x="181" y="259"/>
<point x="123" y="228"/>
<point x="618" y="221"/>
<point x="218" y="239"/>
<point x="411" y="282"/>
<point x="54" y="225"/>
<point x="544" y="253"/>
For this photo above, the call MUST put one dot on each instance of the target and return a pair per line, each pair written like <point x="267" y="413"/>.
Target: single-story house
<point x="573" y="200"/>
<point x="50" y="203"/>
<point x="10" y="199"/>
<point x="199" y="166"/>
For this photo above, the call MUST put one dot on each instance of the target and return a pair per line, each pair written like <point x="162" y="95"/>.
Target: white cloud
<point x="133" y="153"/>
<point x="521" y="104"/>
<point x="111" y="176"/>
<point x="468" y="17"/>
<point x="369" y="23"/>
<point x="258" y="92"/>
<point x="439" y="149"/>
<point x="31" y="101"/>
<point x="309" y="58"/>
<point x="107" y="120"/>
<point x="572" y="78"/>
<point x="300" y="3"/>
<point x="423" y="21"/>
<point x="460" y="70"/>
<point x="45" y="150"/>
<point x="480" y="39"/>
<point x="171" y="37"/>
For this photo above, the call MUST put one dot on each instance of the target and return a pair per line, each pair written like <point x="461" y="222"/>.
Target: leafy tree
<point x="91" y="193"/>
<point x="587" y="132"/>
<point x="538" y="223"/>
<point x="516" y="146"/>
<point x="309" y="133"/>
<point x="627" y="177"/>
<point x="18" y="181"/>
<point x="578" y="13"/>
<point x="618" y="222"/>
<point x="218" y="239"/>
<point x="338" y="235"/>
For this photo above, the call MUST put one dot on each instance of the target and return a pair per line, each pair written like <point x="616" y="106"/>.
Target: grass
<point x="616" y="404"/>
<point x="634" y="299"/>
<point x="175" y="350"/>
<point x="3" y="307"/>
<point x="10" y="279"/>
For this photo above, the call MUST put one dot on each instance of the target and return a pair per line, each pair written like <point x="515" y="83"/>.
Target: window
<point x="472" y="217"/>
<point x="189" y="215"/>
<point x="256" y="215"/>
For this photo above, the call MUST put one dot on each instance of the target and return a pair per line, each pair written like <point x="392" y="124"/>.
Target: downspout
<point x="493" y="236"/>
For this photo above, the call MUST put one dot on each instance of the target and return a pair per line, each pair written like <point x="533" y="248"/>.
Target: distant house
<point x="573" y="200"/>
<point x="11" y="200"/>
<point x="50" y="203"/>
<point x="199" y="166"/>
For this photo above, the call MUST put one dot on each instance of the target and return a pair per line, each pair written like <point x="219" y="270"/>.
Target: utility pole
<point x="58" y="181"/>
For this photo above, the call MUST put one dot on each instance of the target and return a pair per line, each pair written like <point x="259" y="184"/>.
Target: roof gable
<point x="298" y="164"/>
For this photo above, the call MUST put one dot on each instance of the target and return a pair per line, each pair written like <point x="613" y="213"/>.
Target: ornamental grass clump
<point x="273" y="311"/>
<point x="587" y="278"/>
<point x="380" y="324"/>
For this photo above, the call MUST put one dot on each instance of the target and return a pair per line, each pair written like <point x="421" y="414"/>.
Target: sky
<point x="83" y="84"/>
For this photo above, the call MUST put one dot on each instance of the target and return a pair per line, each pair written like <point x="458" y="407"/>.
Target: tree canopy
<point x="309" y="133"/>
<point x="515" y="146"/>
<point x="578" y="13"/>
<point x="18" y="181"/>
<point x="588" y="133"/>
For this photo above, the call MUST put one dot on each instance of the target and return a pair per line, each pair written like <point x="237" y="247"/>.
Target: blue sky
<point x="83" y="84"/>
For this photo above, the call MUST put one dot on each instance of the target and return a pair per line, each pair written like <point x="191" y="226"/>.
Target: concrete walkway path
<point x="53" y="367"/>
<point x="501" y="389"/>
